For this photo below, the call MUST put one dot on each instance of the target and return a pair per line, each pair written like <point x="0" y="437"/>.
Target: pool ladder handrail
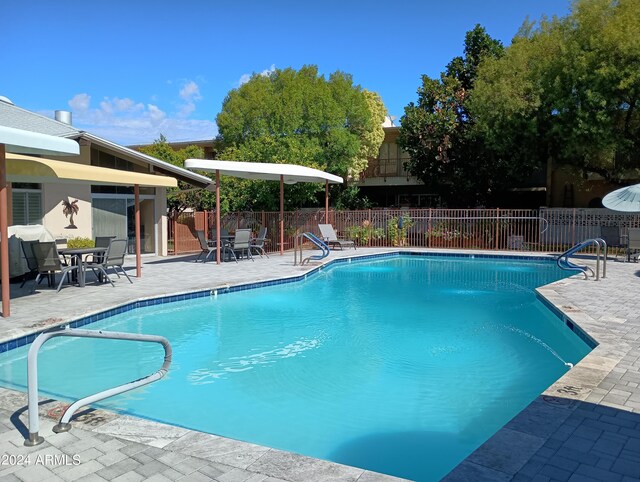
<point x="32" y="376"/>
<point x="563" y="260"/>
<point x="298" y="240"/>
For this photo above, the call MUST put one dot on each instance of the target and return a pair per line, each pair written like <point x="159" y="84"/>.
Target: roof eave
<point x="159" y="165"/>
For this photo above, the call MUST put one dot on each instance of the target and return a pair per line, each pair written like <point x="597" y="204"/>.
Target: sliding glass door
<point x="115" y="216"/>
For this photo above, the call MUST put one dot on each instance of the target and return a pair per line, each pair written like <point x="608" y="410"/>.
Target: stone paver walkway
<point x="584" y="427"/>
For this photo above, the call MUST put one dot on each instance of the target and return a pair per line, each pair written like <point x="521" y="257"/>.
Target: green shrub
<point x="80" y="243"/>
<point x="397" y="229"/>
<point x="362" y="234"/>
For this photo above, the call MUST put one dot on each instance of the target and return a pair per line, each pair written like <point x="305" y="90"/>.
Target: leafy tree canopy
<point x="185" y="195"/>
<point x="298" y="117"/>
<point x="437" y="132"/>
<point x="567" y="91"/>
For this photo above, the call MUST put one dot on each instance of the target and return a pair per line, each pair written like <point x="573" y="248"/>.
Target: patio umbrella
<point x="626" y="199"/>
<point x="285" y="173"/>
<point x="26" y="142"/>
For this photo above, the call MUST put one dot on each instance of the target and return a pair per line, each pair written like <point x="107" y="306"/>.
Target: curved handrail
<point x="563" y="260"/>
<point x="316" y="241"/>
<point x="32" y="376"/>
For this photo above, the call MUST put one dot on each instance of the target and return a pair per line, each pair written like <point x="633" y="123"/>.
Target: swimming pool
<point x="401" y="365"/>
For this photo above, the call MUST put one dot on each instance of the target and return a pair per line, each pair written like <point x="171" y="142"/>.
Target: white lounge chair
<point x="329" y="236"/>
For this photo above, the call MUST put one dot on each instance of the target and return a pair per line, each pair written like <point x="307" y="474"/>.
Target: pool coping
<point x="571" y="317"/>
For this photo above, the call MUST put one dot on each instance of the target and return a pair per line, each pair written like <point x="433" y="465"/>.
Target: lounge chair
<point x="329" y="236"/>
<point x="48" y="260"/>
<point x="207" y="249"/>
<point x="258" y="243"/>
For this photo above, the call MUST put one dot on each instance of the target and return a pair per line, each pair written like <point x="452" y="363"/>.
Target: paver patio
<point x="584" y="427"/>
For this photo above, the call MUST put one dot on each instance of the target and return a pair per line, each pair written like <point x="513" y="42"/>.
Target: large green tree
<point x="437" y="131"/>
<point x="567" y="91"/>
<point x="184" y="196"/>
<point x="299" y="117"/>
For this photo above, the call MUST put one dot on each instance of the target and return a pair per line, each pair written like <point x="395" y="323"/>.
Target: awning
<point x="27" y="142"/>
<point x="22" y="168"/>
<point x="291" y="173"/>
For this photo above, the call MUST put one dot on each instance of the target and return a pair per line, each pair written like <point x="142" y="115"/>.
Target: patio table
<point x="76" y="255"/>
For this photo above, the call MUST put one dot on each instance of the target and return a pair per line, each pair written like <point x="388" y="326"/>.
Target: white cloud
<point x="155" y="113"/>
<point x="120" y="105"/>
<point x="80" y="102"/>
<point x="126" y="121"/>
<point x="244" y="78"/>
<point x="190" y="91"/>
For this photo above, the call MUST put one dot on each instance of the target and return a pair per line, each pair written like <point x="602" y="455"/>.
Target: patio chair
<point x="206" y="248"/>
<point x="611" y="235"/>
<point x="115" y="258"/>
<point x="32" y="262"/>
<point x="329" y="236"/>
<point x="258" y="243"/>
<point x="633" y="244"/>
<point x="48" y="260"/>
<point x="98" y="262"/>
<point x="224" y="234"/>
<point x="242" y="244"/>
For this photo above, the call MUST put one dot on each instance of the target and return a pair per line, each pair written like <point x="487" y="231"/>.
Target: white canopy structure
<point x="285" y="173"/>
<point x="26" y="142"/>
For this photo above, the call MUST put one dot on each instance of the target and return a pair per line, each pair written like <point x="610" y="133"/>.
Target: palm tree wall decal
<point x="69" y="209"/>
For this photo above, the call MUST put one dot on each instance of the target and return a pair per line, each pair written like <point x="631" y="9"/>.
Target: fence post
<point x="429" y="229"/>
<point x="175" y="235"/>
<point x="573" y="228"/>
<point x="497" y="244"/>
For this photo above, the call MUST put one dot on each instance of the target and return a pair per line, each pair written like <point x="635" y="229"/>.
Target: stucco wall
<point x="55" y="221"/>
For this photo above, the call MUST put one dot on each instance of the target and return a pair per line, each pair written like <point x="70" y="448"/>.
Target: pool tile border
<point x="160" y="300"/>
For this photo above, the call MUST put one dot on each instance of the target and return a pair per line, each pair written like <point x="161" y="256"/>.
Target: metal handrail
<point x="315" y="240"/>
<point x="32" y="376"/>
<point x="599" y="243"/>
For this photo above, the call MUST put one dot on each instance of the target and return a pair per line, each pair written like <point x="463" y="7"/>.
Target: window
<point x="27" y="204"/>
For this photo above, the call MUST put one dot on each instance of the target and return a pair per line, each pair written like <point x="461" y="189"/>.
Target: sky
<point x="132" y="70"/>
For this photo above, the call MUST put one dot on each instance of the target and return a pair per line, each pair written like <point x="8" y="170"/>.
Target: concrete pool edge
<point x="479" y="465"/>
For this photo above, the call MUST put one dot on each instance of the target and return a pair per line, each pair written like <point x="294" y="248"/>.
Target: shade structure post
<point x="218" y="217"/>
<point x="136" y="195"/>
<point x="4" y="235"/>
<point x="326" y="201"/>
<point x="281" y="215"/>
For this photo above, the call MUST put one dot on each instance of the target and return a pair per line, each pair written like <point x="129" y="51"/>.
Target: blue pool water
<point x="401" y="365"/>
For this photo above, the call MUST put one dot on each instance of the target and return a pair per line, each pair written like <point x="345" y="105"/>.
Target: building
<point x="102" y="210"/>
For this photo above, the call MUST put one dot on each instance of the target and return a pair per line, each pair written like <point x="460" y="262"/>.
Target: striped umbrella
<point x="626" y="199"/>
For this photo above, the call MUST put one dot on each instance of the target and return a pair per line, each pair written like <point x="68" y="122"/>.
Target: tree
<point x="298" y="117"/>
<point x="370" y="140"/>
<point x="567" y="91"/>
<point x="437" y="133"/>
<point x="184" y="196"/>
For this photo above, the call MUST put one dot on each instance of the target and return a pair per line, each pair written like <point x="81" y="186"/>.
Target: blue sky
<point x="131" y="70"/>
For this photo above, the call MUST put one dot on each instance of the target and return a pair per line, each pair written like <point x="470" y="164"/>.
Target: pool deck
<point x="586" y="426"/>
